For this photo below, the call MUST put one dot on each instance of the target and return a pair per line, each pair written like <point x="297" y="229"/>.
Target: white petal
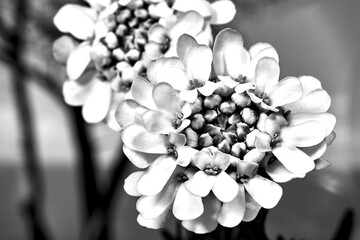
<point x="141" y="90"/>
<point x="160" y="10"/>
<point x="295" y="160"/>
<point x="76" y="20"/>
<point x="78" y="61"/>
<point x="190" y="23"/>
<point x="186" y="205"/>
<point x="166" y="98"/>
<point x="286" y="91"/>
<point x="97" y="104"/>
<point x="200" y="6"/>
<point x="154" y="205"/>
<point x="130" y="185"/>
<point x="198" y="63"/>
<point x="208" y="88"/>
<point x="207" y="221"/>
<point x="317" y="101"/>
<point x="157" y="175"/>
<point x="226" y="38"/>
<point x="200" y="184"/>
<point x="129" y="112"/>
<point x="224" y="12"/>
<point x="315" y="152"/>
<point x="326" y="119"/>
<point x="137" y="138"/>
<point x="62" y="47"/>
<point x="303" y="135"/>
<point x="279" y="173"/>
<point x="264" y="191"/>
<point x="139" y="159"/>
<point x="184" y="44"/>
<point x="75" y="94"/>
<point x="225" y="188"/>
<point x="260" y="50"/>
<point x="237" y="60"/>
<point x="157" y="123"/>
<point x="266" y="74"/>
<point x="154" y="223"/>
<point x="232" y="213"/>
<point x="228" y="81"/>
<point x="309" y="84"/>
<point x="185" y="155"/>
<point x="188" y="95"/>
<point x="252" y="208"/>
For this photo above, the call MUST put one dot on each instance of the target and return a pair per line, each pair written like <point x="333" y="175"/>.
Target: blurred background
<point x="319" y="38"/>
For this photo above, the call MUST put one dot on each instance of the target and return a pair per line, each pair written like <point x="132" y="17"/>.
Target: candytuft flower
<point x="227" y="120"/>
<point x="112" y="42"/>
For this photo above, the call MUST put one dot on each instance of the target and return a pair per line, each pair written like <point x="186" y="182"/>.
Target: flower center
<point x="165" y="44"/>
<point x="181" y="177"/>
<point x="241" y="79"/>
<point x="172" y="151"/>
<point x="178" y="119"/>
<point x="223" y="120"/>
<point x="264" y="98"/>
<point x="275" y="141"/>
<point x="195" y="84"/>
<point x="212" y="170"/>
<point x="241" y="178"/>
<point x="126" y="38"/>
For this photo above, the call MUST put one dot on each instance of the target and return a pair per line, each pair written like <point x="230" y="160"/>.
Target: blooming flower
<point x="229" y="139"/>
<point x="154" y="209"/>
<point x="189" y="73"/>
<point x="108" y="48"/>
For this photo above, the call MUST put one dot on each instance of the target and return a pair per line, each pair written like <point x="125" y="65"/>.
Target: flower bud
<point x="211" y="129"/>
<point x="111" y="40"/>
<point x="191" y="138"/>
<point x="110" y="22"/>
<point x="224" y="146"/>
<point x="196" y="107"/>
<point x="132" y="55"/>
<point x="241" y="99"/>
<point x="222" y="121"/>
<point x="133" y="22"/>
<point x="123" y="15"/>
<point x="217" y="138"/>
<point x="210" y="115"/>
<point x="224" y="91"/>
<point x="119" y="54"/>
<point x="134" y="4"/>
<point x="232" y="129"/>
<point x="205" y="140"/>
<point x="100" y="55"/>
<point x="234" y="119"/>
<point x="121" y="30"/>
<point x="242" y="130"/>
<point x="227" y="107"/>
<point x="238" y="149"/>
<point x="141" y="13"/>
<point x="212" y="101"/>
<point x="197" y="121"/>
<point x="250" y="138"/>
<point x="249" y="116"/>
<point x="231" y="137"/>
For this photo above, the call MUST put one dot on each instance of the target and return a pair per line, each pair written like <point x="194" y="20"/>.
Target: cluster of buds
<point x="113" y="41"/>
<point x="215" y="131"/>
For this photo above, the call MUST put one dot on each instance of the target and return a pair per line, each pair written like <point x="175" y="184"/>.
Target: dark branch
<point x="31" y="204"/>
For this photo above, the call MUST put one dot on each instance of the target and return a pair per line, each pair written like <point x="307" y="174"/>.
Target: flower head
<point x="236" y="138"/>
<point x="112" y="42"/>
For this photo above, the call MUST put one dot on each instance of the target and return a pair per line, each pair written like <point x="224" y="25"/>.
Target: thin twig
<point x="31" y="204"/>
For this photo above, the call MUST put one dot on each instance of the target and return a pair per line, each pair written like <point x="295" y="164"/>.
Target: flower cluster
<point x="110" y="42"/>
<point x="214" y="131"/>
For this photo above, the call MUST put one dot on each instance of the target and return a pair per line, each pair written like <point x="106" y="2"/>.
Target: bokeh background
<point x="319" y="38"/>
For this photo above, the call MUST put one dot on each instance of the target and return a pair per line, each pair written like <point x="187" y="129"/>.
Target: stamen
<point x="172" y="151"/>
<point x="242" y="178"/>
<point x="195" y="84"/>
<point x="212" y="170"/>
<point x="181" y="177"/>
